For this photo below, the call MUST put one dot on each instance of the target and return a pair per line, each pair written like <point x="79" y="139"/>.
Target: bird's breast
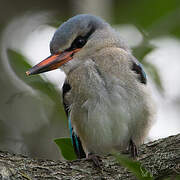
<point x="96" y="108"/>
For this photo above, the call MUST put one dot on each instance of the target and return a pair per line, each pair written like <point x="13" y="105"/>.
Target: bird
<point x="106" y="97"/>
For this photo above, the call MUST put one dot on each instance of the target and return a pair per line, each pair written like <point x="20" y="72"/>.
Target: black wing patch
<point x="137" y="67"/>
<point x="74" y="138"/>
<point x="65" y="89"/>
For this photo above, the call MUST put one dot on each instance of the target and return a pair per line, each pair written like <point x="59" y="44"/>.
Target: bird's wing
<point x="74" y="138"/>
<point x="138" y="68"/>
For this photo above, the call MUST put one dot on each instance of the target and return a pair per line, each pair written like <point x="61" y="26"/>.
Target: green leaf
<point x="20" y="65"/>
<point x="135" y="167"/>
<point x="66" y="148"/>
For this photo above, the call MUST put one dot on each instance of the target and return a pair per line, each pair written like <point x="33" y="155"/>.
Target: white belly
<point x="108" y="121"/>
<point x="106" y="112"/>
<point x="107" y="125"/>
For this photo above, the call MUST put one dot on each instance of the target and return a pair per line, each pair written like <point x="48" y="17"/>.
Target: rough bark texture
<point x="161" y="158"/>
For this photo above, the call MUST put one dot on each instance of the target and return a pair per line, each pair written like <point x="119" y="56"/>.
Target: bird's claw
<point x="95" y="159"/>
<point x="133" y="149"/>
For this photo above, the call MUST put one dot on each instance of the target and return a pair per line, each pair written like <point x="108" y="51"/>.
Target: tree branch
<point x="160" y="157"/>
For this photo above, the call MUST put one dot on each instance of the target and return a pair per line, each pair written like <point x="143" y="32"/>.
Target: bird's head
<point x="76" y="40"/>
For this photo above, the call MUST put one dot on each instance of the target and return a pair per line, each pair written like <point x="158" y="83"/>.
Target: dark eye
<point x="79" y="42"/>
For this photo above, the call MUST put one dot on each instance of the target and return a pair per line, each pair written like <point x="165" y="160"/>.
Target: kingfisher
<point x="105" y="94"/>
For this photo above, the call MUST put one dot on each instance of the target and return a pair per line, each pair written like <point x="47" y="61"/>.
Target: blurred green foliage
<point x="20" y="65"/>
<point x="157" y="18"/>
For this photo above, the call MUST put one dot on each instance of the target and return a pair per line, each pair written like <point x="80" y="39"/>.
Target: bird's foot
<point x="95" y="159"/>
<point x="133" y="149"/>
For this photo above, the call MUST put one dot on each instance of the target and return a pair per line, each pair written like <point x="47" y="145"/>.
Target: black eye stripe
<point x="80" y="41"/>
<point x="89" y="33"/>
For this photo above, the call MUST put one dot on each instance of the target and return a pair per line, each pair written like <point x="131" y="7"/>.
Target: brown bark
<point x="160" y="157"/>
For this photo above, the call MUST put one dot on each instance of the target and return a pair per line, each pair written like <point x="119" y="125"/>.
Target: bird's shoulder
<point x="121" y="63"/>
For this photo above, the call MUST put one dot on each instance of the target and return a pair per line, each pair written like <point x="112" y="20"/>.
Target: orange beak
<point x="52" y="62"/>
